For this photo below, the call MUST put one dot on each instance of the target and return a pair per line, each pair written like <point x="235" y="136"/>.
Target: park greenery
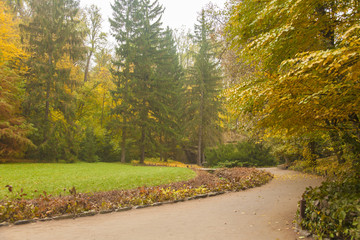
<point x="57" y="178"/>
<point x="16" y="207"/>
<point x="255" y="84"/>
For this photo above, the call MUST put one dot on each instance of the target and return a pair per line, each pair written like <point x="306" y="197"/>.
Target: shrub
<point x="333" y="209"/>
<point x="242" y="154"/>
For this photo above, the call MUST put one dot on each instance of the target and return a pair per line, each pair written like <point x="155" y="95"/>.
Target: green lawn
<point x="86" y="177"/>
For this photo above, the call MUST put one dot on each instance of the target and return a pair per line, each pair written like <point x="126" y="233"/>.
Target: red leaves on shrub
<point x="48" y="206"/>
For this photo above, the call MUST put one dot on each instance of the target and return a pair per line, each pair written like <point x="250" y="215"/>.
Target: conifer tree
<point x="124" y="23"/>
<point x="54" y="40"/>
<point x="146" y="87"/>
<point x="204" y="106"/>
<point x="170" y="103"/>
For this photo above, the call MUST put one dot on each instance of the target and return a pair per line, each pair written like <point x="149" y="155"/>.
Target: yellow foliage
<point x="9" y="37"/>
<point x="170" y="163"/>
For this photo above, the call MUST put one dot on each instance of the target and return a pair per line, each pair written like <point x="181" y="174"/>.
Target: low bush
<point x="333" y="210"/>
<point x="46" y="206"/>
<point x="242" y="154"/>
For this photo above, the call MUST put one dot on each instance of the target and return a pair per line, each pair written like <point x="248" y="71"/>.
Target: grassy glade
<point x="46" y="206"/>
<point x="333" y="209"/>
<point x="56" y="179"/>
<point x="241" y="154"/>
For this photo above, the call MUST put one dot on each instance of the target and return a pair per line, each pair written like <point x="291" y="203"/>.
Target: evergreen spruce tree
<point x="124" y="23"/>
<point x="54" y="39"/>
<point x="171" y="81"/>
<point x="204" y="104"/>
<point x="146" y="87"/>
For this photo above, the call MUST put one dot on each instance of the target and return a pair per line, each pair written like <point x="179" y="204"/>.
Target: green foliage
<point x="89" y="147"/>
<point x="203" y="103"/>
<point x="46" y="205"/>
<point x="147" y="77"/>
<point x="242" y="154"/>
<point x="54" y="38"/>
<point x="333" y="209"/>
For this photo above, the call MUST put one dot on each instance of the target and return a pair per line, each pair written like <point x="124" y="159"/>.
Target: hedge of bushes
<point x="333" y="209"/>
<point x="242" y="154"/>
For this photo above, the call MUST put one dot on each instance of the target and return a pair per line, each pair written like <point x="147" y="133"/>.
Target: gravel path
<point x="261" y="213"/>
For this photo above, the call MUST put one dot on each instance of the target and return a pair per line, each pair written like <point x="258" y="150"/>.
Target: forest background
<point x="286" y="82"/>
<point x="255" y="79"/>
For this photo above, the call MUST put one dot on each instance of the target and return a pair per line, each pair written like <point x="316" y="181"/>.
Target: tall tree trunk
<point x="47" y="100"/>
<point x="329" y="31"/>
<point x="200" y="143"/>
<point x="199" y="147"/>
<point x="142" y="145"/>
<point x="86" y="76"/>
<point x="123" y="143"/>
<point x="102" y="111"/>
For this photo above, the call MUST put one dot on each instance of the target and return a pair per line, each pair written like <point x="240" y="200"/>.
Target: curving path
<point x="264" y="213"/>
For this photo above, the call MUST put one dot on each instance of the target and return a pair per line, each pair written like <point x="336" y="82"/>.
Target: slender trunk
<point x="200" y="143"/>
<point x="142" y="145"/>
<point x="47" y="99"/>
<point x="312" y="147"/>
<point x="86" y="76"/>
<point x="102" y="111"/>
<point x="199" y="146"/>
<point x="123" y="143"/>
<point x="329" y="31"/>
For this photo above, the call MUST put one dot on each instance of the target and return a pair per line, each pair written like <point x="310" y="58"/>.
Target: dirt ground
<point x="264" y="213"/>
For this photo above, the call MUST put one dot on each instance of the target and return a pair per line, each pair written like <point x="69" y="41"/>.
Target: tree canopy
<point x="306" y="57"/>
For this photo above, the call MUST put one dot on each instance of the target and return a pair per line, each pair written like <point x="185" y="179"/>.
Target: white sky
<point x="177" y="13"/>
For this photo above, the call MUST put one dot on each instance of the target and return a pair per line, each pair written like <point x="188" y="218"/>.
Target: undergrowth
<point x="333" y="209"/>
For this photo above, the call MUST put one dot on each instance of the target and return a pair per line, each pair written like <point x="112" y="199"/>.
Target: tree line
<point x="283" y="73"/>
<point x="67" y="96"/>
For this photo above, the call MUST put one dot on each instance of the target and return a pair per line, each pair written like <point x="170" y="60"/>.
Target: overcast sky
<point x="177" y="13"/>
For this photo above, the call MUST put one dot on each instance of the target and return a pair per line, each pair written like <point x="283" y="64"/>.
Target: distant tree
<point x="124" y="24"/>
<point x="170" y="103"/>
<point x="13" y="127"/>
<point x="55" y="41"/>
<point x="204" y="104"/>
<point x="95" y="37"/>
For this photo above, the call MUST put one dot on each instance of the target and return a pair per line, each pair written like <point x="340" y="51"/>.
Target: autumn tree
<point x="13" y="127"/>
<point x="95" y="37"/>
<point x="55" y="42"/>
<point x="308" y="58"/>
